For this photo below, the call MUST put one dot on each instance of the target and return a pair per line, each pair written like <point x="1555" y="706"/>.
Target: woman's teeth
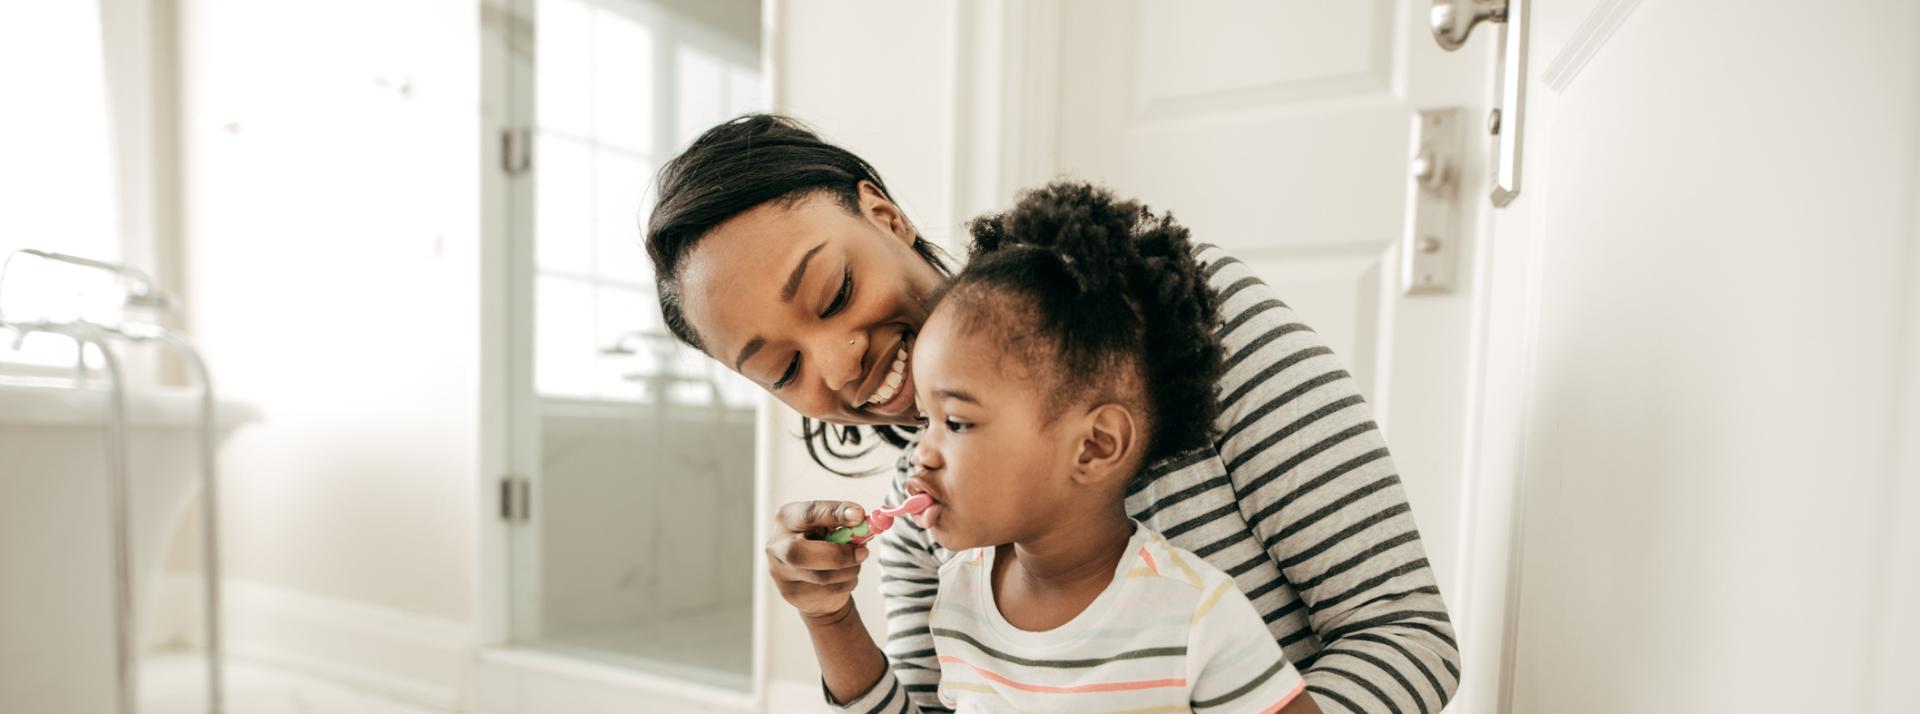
<point x="899" y="374"/>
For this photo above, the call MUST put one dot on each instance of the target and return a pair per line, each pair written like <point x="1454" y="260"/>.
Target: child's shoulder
<point x="1159" y="559"/>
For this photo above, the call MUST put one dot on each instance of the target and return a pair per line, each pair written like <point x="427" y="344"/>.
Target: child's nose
<point x="925" y="457"/>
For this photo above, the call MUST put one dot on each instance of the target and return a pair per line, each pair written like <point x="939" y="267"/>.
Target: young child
<point x="1075" y="347"/>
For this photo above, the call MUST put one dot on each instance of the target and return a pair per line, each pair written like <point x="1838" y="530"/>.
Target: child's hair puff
<point x="1110" y="297"/>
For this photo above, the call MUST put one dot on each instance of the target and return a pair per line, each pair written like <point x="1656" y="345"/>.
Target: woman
<point x="784" y="257"/>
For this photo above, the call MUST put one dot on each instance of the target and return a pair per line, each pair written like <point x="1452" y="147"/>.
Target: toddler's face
<point x="988" y="457"/>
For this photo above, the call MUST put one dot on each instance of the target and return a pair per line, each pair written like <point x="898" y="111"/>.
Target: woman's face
<point x="815" y="304"/>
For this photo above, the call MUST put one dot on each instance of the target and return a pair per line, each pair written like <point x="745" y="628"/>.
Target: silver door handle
<point x="1451" y="31"/>
<point x="1452" y="21"/>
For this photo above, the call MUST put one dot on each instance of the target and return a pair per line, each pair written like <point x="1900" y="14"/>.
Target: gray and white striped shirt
<point x="1298" y="501"/>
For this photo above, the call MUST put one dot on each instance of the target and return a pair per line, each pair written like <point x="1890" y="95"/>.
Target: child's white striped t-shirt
<point x="1169" y="634"/>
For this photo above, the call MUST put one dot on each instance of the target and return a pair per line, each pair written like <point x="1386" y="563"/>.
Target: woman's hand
<point x="815" y="576"/>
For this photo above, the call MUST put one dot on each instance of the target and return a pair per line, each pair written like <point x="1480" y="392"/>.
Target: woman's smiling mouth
<point x="891" y="390"/>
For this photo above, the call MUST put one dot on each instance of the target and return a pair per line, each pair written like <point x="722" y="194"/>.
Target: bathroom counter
<point x="54" y="402"/>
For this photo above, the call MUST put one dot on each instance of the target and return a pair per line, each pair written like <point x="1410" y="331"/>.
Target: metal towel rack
<point x="140" y="292"/>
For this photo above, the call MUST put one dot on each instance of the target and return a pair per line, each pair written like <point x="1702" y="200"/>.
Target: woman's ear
<point x="884" y="214"/>
<point x="1109" y="445"/>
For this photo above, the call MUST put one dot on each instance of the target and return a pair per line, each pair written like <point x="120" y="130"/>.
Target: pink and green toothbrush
<point x="878" y="521"/>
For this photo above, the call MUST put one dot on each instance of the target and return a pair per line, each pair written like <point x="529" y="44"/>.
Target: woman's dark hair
<point x="736" y="167"/>
<point x="1109" y="297"/>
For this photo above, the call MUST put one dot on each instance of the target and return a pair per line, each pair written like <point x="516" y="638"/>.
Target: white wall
<point x="331" y="156"/>
<point x="877" y="78"/>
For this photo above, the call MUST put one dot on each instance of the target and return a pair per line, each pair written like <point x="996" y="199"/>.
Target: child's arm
<point x="1233" y="663"/>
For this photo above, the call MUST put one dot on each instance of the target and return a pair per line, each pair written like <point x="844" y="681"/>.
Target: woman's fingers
<point x="789" y="573"/>
<point x="799" y="551"/>
<point x="814" y="517"/>
<point x="815" y="576"/>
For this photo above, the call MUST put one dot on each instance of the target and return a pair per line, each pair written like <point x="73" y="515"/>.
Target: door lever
<point x="1452" y="22"/>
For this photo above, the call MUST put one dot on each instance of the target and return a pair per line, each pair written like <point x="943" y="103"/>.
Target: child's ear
<point x="1109" y="444"/>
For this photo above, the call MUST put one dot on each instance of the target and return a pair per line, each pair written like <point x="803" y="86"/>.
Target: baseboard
<point x="417" y="659"/>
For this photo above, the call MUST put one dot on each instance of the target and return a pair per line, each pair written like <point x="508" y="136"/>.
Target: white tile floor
<point x="175" y="683"/>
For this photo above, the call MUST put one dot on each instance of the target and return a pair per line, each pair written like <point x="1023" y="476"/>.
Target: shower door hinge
<point x="516" y="499"/>
<point x="516" y="150"/>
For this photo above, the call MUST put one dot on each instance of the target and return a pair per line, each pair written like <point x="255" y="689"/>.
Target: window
<point x="622" y="86"/>
<point x="56" y="184"/>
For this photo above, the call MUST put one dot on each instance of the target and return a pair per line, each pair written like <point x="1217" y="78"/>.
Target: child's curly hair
<point x="1106" y="294"/>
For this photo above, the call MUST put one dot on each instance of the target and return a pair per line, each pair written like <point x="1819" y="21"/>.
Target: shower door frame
<point x="511" y="675"/>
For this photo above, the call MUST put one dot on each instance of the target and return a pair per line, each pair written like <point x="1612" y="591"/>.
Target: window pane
<point x="702" y="92"/>
<point x="56" y="182"/>
<point x="563" y="67"/>
<point x="564" y="347"/>
<point x="622" y="81"/>
<point x="621" y="189"/>
<point x="622" y="314"/>
<point x="563" y="205"/>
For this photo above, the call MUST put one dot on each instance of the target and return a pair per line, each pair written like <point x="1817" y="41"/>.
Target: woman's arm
<point x="817" y="578"/>
<point x="907" y="677"/>
<point x="850" y="664"/>
<point x="1319" y="489"/>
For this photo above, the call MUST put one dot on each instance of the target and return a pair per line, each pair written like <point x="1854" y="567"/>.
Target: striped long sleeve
<point x="1319" y="491"/>
<point x="1298" y="502"/>
<point x="909" y="579"/>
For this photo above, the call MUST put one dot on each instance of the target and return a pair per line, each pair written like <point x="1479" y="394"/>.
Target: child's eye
<point x="957" y="426"/>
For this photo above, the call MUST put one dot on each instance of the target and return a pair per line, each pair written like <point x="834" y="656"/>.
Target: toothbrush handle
<point x="845" y="534"/>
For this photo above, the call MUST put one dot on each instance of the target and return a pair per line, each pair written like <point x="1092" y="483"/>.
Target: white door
<point x="1717" y="239"/>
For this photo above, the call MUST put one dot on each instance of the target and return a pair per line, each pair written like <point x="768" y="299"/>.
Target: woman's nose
<point x="841" y="364"/>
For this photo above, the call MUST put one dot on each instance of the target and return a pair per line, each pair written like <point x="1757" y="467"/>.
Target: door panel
<point x="1251" y="53"/>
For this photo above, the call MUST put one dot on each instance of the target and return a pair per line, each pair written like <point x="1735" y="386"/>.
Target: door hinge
<point x="516" y="150"/>
<point x="516" y="499"/>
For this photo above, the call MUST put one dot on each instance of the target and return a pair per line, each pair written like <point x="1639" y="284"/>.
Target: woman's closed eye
<point x="839" y="303"/>
<point x="840" y="299"/>
<point x="786" y="378"/>
<point x="834" y="308"/>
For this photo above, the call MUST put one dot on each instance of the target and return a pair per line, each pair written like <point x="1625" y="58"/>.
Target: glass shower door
<point x="639" y="452"/>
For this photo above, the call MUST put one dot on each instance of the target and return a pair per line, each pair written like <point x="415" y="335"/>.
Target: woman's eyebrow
<point x="753" y="346"/>
<point x="793" y="280"/>
<point x="786" y="293"/>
